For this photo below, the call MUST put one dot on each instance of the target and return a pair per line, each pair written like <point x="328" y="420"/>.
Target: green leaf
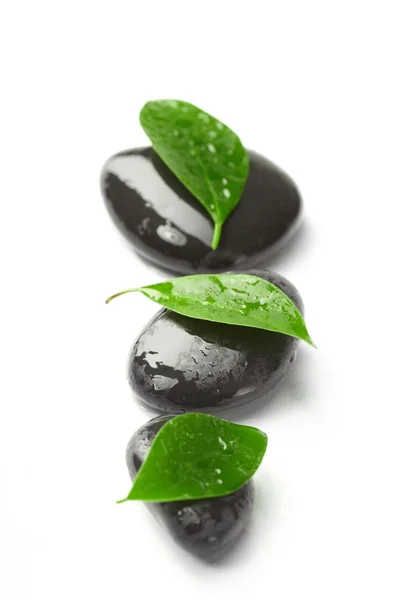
<point x="205" y="155"/>
<point x="233" y="298"/>
<point x="196" y="456"/>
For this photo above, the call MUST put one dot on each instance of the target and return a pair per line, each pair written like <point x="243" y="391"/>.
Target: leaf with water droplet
<point x="232" y="298"/>
<point x="196" y="147"/>
<point x="189" y="459"/>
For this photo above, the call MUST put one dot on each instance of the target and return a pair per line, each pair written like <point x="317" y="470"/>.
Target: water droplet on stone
<point x="171" y="235"/>
<point x="160" y="382"/>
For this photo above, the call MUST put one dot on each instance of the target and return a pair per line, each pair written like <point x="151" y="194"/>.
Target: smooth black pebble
<point x="179" y="364"/>
<point x="169" y="227"/>
<point x="207" y="528"/>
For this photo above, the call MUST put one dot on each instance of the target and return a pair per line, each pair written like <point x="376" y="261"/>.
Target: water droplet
<point x="223" y="444"/>
<point x="219" y="125"/>
<point x="203" y="117"/>
<point x="211" y="148"/>
<point x="218" y="471"/>
<point x="226" y="193"/>
<point x="212" y="134"/>
<point x="190" y="435"/>
<point x="208" y="300"/>
<point x="212" y="206"/>
<point x="224" y="181"/>
<point x="171" y="235"/>
<point x="176" y="133"/>
<point x="220" y="481"/>
<point x="160" y="382"/>
<point x="192" y="152"/>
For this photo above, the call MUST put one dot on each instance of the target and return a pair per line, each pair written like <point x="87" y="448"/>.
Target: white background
<point x="313" y="86"/>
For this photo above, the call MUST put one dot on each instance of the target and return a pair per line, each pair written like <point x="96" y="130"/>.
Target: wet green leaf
<point x="233" y="298"/>
<point x="196" y="456"/>
<point x="205" y="155"/>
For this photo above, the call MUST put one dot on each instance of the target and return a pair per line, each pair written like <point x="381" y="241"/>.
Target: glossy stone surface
<point x="208" y="528"/>
<point x="180" y="364"/>
<point x="169" y="227"/>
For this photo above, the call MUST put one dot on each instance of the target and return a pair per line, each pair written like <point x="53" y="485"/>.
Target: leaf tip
<point x="311" y="342"/>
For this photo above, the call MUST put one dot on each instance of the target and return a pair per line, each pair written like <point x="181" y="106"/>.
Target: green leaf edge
<point x="218" y="224"/>
<point x="198" y="497"/>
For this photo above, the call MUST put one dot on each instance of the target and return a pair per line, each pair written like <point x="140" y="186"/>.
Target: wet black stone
<point x="179" y="364"/>
<point x="169" y="227"/>
<point x="207" y="528"/>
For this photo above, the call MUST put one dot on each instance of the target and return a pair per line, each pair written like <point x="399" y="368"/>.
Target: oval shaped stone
<point x="208" y="528"/>
<point x="180" y="364"/>
<point x="168" y="226"/>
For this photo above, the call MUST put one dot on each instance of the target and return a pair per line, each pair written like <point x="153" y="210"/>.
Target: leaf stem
<point x="121" y="294"/>
<point x="217" y="235"/>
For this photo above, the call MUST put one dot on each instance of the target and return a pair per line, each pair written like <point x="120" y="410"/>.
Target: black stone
<point x="179" y="364"/>
<point x="169" y="227"/>
<point x="207" y="528"/>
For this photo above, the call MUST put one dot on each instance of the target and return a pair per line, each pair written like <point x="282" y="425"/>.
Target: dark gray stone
<point x="179" y="364"/>
<point x="168" y="226"/>
<point x="208" y="528"/>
